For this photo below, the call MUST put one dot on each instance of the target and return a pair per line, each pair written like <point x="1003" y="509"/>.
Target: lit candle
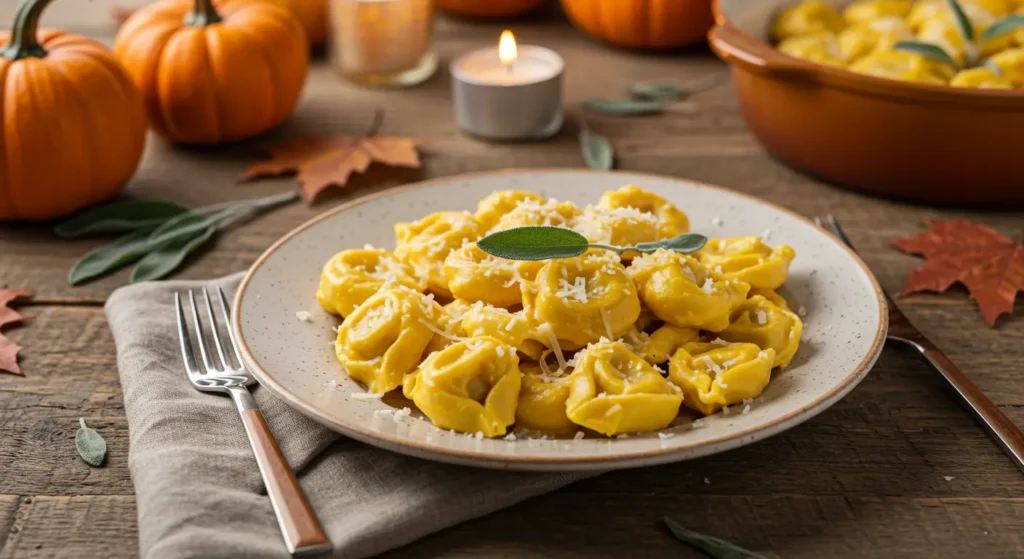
<point x="508" y="92"/>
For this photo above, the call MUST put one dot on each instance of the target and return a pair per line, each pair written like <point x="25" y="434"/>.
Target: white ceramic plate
<point x="844" y="328"/>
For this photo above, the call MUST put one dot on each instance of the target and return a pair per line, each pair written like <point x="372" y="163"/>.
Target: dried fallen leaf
<point x="990" y="265"/>
<point x="321" y="162"/>
<point x="8" y="349"/>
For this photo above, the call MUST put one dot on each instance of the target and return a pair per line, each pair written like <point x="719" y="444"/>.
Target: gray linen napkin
<point x="198" y="489"/>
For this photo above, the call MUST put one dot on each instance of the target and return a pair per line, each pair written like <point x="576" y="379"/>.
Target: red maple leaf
<point x="990" y="265"/>
<point x="330" y="160"/>
<point x="8" y="349"/>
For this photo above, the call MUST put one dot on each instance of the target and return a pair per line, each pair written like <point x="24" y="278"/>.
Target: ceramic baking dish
<point x="921" y="142"/>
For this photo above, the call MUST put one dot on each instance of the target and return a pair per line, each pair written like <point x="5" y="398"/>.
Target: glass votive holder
<point x="383" y="42"/>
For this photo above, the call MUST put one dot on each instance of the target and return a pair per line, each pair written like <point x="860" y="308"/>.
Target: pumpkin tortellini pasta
<point x="607" y="342"/>
<point x="613" y="391"/>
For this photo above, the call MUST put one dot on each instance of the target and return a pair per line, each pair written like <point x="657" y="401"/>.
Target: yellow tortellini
<point x="542" y="401"/>
<point x="425" y="244"/>
<point x="749" y="260"/>
<point x="867" y="10"/>
<point x="579" y="300"/>
<point x="659" y="346"/>
<point x="898" y="66"/>
<point x="761" y="322"/>
<point x="613" y="391"/>
<point x="816" y="47"/>
<point x="352" y="276"/>
<point x="714" y="375"/>
<point x="551" y="212"/>
<point x="771" y="295"/>
<point x="501" y="202"/>
<point x="671" y="220"/>
<point x="512" y="328"/>
<point x="944" y="33"/>
<point x="809" y="17"/>
<point x="1011" y="62"/>
<point x="619" y="227"/>
<point x="861" y="39"/>
<point x="981" y="77"/>
<point x="383" y="339"/>
<point x="683" y="292"/>
<point x="449" y="326"/>
<point x="471" y="386"/>
<point x="474" y="275"/>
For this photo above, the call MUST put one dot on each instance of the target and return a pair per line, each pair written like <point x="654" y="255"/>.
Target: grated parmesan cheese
<point x="766" y="235"/>
<point x="304" y="316"/>
<point x="665" y="436"/>
<point x="510" y="437"/>
<point x="762" y="317"/>
<point x="717" y="221"/>
<point x="613" y="410"/>
<point x="802" y="311"/>
<point x="709" y="286"/>
<point x="579" y="435"/>
<point x="401" y="414"/>
<point x="383" y="413"/>
<point x="479" y="435"/>
<point x="441" y="333"/>
<point x="365" y="396"/>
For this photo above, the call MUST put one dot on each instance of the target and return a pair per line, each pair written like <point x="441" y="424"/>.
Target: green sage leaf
<point x="994" y="68"/>
<point x="927" y="50"/>
<point x="534" y="243"/>
<point x="623" y="107"/>
<point x="715" y="547"/>
<point x="1002" y="27"/>
<point x="166" y="259"/>
<point x="91" y="446"/>
<point x="133" y="246"/>
<point x="963" y="23"/>
<point x="597" y="151"/>
<point x="657" y="91"/>
<point x="685" y="243"/>
<point x="119" y="217"/>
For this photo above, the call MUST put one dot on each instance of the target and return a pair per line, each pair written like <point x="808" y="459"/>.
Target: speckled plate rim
<point x="568" y="461"/>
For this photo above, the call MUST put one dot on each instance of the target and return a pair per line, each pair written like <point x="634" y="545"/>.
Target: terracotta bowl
<point x="920" y="142"/>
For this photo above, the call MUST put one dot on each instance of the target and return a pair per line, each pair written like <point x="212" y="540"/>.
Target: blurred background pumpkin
<point x="210" y="76"/>
<point x="492" y="9"/>
<point x="643" y="24"/>
<point x="66" y="101"/>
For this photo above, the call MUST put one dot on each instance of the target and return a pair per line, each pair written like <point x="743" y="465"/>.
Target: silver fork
<point x="299" y="524"/>
<point x="999" y="426"/>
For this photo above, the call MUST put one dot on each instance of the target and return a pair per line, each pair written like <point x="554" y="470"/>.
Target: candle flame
<point x="507" y="52"/>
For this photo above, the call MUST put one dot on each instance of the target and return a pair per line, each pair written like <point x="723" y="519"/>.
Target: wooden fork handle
<point x="299" y="524"/>
<point x="1008" y="435"/>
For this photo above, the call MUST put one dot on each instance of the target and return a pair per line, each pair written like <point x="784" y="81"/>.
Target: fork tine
<point x="226" y="309"/>
<point x="216" y="334"/>
<point x="834" y="224"/>
<point x="200" y="336"/>
<point x="187" y="355"/>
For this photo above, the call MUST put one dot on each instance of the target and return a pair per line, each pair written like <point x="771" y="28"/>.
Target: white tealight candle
<point x="509" y="92"/>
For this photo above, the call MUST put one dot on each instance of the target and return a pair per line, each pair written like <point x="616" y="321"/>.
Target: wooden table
<point x="895" y="469"/>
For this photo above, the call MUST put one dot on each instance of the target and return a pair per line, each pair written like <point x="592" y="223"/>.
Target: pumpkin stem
<point x="203" y="14"/>
<point x="23" y="33"/>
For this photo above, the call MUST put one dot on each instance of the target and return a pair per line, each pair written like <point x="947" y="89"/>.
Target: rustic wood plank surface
<point x="896" y="469"/>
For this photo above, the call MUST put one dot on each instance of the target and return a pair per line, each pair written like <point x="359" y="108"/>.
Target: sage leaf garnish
<point x="963" y="23"/>
<point x="624" y="107"/>
<point x="91" y="446"/>
<point x="657" y="91"/>
<point x="597" y="151"/>
<point x="927" y="50"/>
<point x="994" y="68"/>
<point x="119" y="217"/>
<point x="167" y="258"/>
<point x="715" y="547"/>
<point x="543" y="242"/>
<point x="1002" y="27"/>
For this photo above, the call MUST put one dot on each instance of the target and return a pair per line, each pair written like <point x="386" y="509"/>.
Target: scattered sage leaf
<point x="91" y="446"/>
<point x="715" y="547"/>
<point x="657" y="91"/>
<point x="133" y="246"/>
<point x="927" y="50"/>
<point x="119" y="217"/>
<point x="597" y="151"/>
<point x="994" y="68"/>
<point x="623" y="107"/>
<point x="685" y="243"/>
<point x="166" y="259"/>
<point x="963" y="23"/>
<point x="1002" y="27"/>
<point x="534" y="243"/>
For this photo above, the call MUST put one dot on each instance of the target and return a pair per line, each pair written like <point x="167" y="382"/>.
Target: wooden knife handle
<point x="1008" y="435"/>
<point x="299" y="524"/>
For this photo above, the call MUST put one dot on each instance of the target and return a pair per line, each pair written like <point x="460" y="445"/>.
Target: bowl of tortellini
<point x="915" y="99"/>
<point x="608" y="343"/>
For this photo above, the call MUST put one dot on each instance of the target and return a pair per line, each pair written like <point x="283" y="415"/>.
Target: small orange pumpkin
<point x="73" y="123"/>
<point x="643" y="24"/>
<point x="209" y="77"/>
<point x="491" y="9"/>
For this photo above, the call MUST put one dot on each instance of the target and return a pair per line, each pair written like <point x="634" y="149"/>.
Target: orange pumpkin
<point x="488" y="8"/>
<point x="209" y="77"/>
<point x="643" y="24"/>
<point x="73" y="123"/>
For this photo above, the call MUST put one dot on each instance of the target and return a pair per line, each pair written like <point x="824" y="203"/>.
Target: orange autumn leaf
<point x="8" y="349"/>
<point x="990" y="265"/>
<point x="322" y="162"/>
